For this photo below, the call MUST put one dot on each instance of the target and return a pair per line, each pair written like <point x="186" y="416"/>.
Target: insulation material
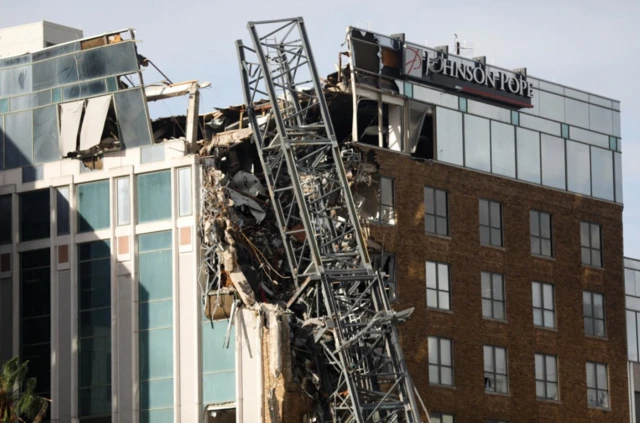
<point x="70" y="116"/>
<point x="219" y="305"/>
<point x="93" y="123"/>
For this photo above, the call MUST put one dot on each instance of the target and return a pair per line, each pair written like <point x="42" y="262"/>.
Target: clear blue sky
<point x="590" y="45"/>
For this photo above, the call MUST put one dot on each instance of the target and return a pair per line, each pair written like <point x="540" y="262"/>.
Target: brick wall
<point x="465" y="325"/>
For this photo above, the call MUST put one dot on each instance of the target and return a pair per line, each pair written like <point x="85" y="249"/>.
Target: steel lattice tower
<point x="363" y="372"/>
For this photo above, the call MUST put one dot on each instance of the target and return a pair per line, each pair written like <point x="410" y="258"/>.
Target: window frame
<point x="590" y="248"/>
<point x="592" y="295"/>
<point x="437" y="289"/>
<point x="540" y="237"/>
<point x="492" y="300"/>
<point x="489" y="225"/>
<point x="543" y="306"/>
<point x="392" y="216"/>
<point x="546" y="381"/>
<point x="435" y="215"/>
<point x="495" y="373"/>
<point x="441" y="416"/>
<point x="596" y="388"/>
<point x="439" y="364"/>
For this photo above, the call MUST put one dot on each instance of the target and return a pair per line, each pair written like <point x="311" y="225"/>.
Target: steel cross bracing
<point x="363" y="372"/>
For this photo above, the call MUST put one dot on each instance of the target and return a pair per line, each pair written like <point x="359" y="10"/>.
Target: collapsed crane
<point x="341" y="299"/>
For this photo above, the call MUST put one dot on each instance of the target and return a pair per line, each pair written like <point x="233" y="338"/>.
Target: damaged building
<point x="415" y="237"/>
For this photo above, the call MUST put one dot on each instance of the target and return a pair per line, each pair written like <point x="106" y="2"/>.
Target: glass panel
<point x="91" y="64"/>
<point x="538" y="124"/>
<point x="540" y="389"/>
<point x="66" y="70"/>
<point x="584" y="234"/>
<point x="447" y="376"/>
<point x="484" y="212"/>
<point x="536" y="292"/>
<point x="498" y="310"/>
<point x="156" y="314"/>
<point x="93" y="206"/>
<point x="156" y="393"/>
<point x="496" y="237"/>
<point x="62" y="206"/>
<point x="431" y="275"/>
<point x="121" y="58"/>
<point x="601" y="371"/>
<point x="503" y="153"/>
<point x="45" y="135"/>
<point x="156" y="354"/>
<point x="601" y="119"/>
<point x="434" y="374"/>
<point x="486" y="284"/>
<point x="576" y="112"/>
<point x="488" y="359"/>
<point x="486" y="308"/>
<point x="430" y="224"/>
<point x="30" y="101"/>
<point x="595" y="236"/>
<point x="429" y="200"/>
<point x="496" y="214"/>
<point x="95" y="401"/>
<point x="535" y="245"/>
<point x="553" y="161"/>
<point x="602" y="169"/>
<point x="132" y="118"/>
<point x="598" y="329"/>
<point x="94" y="365"/>
<point x="586" y="302"/>
<point x="547" y="296"/>
<point x="528" y="155"/>
<point x="124" y="203"/>
<point x="433" y="350"/>
<point x="515" y="118"/>
<point x="617" y="158"/>
<point x="155" y="276"/>
<point x="534" y="222"/>
<point x="441" y="203"/>
<point x="497" y="287"/>
<point x="546" y="247"/>
<point x="545" y="223"/>
<point x="443" y="300"/>
<point x="386" y="191"/>
<point x="539" y="366"/>
<point x="598" y="306"/>
<point x="445" y="352"/>
<point x="432" y="298"/>
<point x="501" y="360"/>
<point x="18" y="139"/>
<point x="443" y="277"/>
<point x="449" y="136"/>
<point x="552" y="375"/>
<point x="629" y="275"/>
<point x="442" y="228"/>
<point x="578" y="168"/>
<point x="485" y="237"/>
<point x="551" y="106"/>
<point x="462" y="104"/>
<point x="5" y="219"/>
<point x="477" y="144"/>
<point x="488" y="111"/>
<point x="632" y="336"/>
<point x="154" y="196"/>
<point x="35" y="222"/>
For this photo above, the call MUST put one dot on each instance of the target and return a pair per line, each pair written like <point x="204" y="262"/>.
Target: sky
<point x="586" y="44"/>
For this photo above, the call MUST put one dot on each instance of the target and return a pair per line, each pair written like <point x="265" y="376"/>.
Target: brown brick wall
<point x="465" y="325"/>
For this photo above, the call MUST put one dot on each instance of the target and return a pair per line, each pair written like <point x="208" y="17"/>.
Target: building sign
<point x="468" y="77"/>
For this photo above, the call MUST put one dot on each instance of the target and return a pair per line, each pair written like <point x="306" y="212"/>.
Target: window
<point x="184" y="191"/>
<point x="154" y="196"/>
<point x="124" y="202"/>
<point x="490" y="223"/>
<point x="546" y="377"/>
<point x="540" y="224"/>
<point x="544" y="314"/>
<point x="93" y="206"/>
<point x="436" y="211"/>
<point x="440" y="361"/>
<point x="438" y="290"/>
<point x="597" y="385"/>
<point x="385" y="213"/>
<point x="5" y="219"/>
<point x="386" y="263"/>
<point x="35" y="215"/>
<point x="442" y="417"/>
<point x="62" y="207"/>
<point x="495" y="370"/>
<point x="590" y="241"/>
<point x="462" y="104"/>
<point x="94" y="322"/>
<point x="593" y="304"/>
<point x="492" y="295"/>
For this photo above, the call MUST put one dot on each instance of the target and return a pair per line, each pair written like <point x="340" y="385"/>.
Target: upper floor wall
<point x="464" y="112"/>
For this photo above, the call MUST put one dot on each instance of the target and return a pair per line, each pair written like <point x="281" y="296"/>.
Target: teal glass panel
<point x="57" y="95"/>
<point x="35" y="222"/>
<point x="93" y="206"/>
<point x="462" y="104"/>
<point x="112" y="85"/>
<point x="94" y="362"/>
<point x="515" y="118"/>
<point x="18" y="145"/>
<point x="132" y="117"/>
<point x="613" y="143"/>
<point x="564" y="129"/>
<point x="156" y="314"/>
<point x="155" y="276"/>
<point x="156" y="354"/>
<point x="408" y="89"/>
<point x="156" y="394"/>
<point x="95" y="401"/>
<point x="154" y="241"/>
<point x="215" y="357"/>
<point x="164" y="415"/>
<point x="219" y="387"/>
<point x="4" y="105"/>
<point x="45" y="135"/>
<point x="154" y="196"/>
